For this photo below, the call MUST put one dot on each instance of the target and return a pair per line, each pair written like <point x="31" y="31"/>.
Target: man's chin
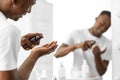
<point x="16" y="19"/>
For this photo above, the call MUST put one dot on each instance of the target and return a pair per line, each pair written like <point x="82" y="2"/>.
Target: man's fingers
<point x="90" y="43"/>
<point x="29" y="35"/>
<point x="26" y="43"/>
<point x="52" y="49"/>
<point x="29" y="44"/>
<point x="53" y="46"/>
<point x="27" y="48"/>
<point x="37" y="43"/>
<point x="86" y="47"/>
<point x="103" y="51"/>
<point x="41" y="35"/>
<point x="45" y="45"/>
<point x="52" y="43"/>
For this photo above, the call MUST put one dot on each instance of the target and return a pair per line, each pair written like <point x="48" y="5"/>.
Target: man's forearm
<point x="26" y="68"/>
<point x="62" y="51"/>
<point x="101" y="68"/>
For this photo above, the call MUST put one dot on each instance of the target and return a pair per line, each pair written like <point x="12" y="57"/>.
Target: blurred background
<point x="56" y="19"/>
<point x="116" y="38"/>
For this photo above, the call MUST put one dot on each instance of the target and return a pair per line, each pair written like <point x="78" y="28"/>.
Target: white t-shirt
<point x="79" y="36"/>
<point x="9" y="44"/>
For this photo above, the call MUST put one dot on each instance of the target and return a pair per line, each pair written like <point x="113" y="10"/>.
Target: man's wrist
<point x="36" y="54"/>
<point x="97" y="55"/>
<point x="74" y="47"/>
<point x="78" y="46"/>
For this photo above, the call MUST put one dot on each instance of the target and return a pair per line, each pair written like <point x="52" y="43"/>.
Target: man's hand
<point x="27" y="44"/>
<point x="97" y="51"/>
<point x="45" y="49"/>
<point x="86" y="45"/>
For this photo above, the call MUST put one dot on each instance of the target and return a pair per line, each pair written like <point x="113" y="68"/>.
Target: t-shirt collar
<point x="2" y="15"/>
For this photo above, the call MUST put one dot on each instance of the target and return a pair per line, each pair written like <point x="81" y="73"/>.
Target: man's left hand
<point x="97" y="51"/>
<point x="26" y="43"/>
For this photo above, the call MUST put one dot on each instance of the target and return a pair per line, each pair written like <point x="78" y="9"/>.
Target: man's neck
<point x="92" y="31"/>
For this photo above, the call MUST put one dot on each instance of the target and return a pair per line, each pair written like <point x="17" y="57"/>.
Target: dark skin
<point x="101" y="25"/>
<point x="15" y="9"/>
<point x="25" y="69"/>
<point x="64" y="49"/>
<point x="25" y="40"/>
<point x="101" y="66"/>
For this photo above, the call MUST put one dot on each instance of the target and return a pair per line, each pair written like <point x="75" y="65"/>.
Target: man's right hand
<point x="45" y="49"/>
<point x="86" y="44"/>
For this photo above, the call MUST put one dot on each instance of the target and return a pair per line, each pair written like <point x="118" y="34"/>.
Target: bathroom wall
<point x="42" y="21"/>
<point x="116" y="38"/>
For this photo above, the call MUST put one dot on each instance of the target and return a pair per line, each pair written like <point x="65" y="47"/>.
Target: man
<point x="80" y="43"/>
<point x="10" y="41"/>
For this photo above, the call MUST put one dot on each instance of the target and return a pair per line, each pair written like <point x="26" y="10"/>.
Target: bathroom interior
<point x="56" y="19"/>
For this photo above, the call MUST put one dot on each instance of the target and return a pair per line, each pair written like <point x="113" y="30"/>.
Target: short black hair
<point x="106" y="13"/>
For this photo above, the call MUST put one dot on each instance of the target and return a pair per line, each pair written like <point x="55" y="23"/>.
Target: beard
<point x="15" y="18"/>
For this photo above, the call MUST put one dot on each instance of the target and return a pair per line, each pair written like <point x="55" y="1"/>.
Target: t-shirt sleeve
<point x="108" y="54"/>
<point x="69" y="40"/>
<point x="8" y="49"/>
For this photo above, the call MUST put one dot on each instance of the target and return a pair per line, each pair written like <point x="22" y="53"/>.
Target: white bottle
<point x="85" y="71"/>
<point x="61" y="72"/>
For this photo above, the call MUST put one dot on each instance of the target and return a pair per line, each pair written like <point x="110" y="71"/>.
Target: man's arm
<point x="101" y="65"/>
<point x="26" y="68"/>
<point x="65" y="49"/>
<point x="9" y="75"/>
<point x="24" y="71"/>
